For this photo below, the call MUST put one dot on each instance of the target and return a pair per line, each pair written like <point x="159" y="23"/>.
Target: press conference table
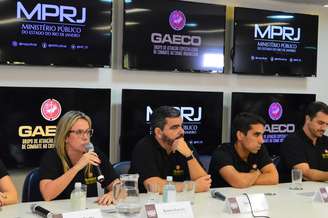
<point x="282" y="203"/>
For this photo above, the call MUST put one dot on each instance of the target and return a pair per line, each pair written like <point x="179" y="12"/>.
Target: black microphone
<point x="218" y="195"/>
<point x="41" y="211"/>
<point x="100" y="177"/>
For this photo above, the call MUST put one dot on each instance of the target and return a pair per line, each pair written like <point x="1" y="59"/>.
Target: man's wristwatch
<point x="190" y="157"/>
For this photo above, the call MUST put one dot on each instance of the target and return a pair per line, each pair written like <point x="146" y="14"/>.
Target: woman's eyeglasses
<point x="81" y="132"/>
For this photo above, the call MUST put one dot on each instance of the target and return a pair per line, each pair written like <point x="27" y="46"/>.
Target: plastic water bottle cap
<point x="78" y="185"/>
<point x="169" y="178"/>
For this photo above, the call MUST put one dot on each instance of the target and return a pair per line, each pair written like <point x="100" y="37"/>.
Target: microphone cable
<point x="250" y="204"/>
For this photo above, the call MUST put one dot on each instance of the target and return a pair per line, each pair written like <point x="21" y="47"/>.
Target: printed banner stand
<point x="321" y="195"/>
<point x="90" y="213"/>
<point x="241" y="204"/>
<point x="181" y="209"/>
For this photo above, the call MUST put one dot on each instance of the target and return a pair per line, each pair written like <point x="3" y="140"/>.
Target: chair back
<point x="205" y="160"/>
<point x="122" y="167"/>
<point x="276" y="160"/>
<point x="31" y="190"/>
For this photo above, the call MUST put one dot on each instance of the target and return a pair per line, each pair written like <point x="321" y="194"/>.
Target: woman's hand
<point x="88" y="158"/>
<point x="106" y="199"/>
<point x="2" y="199"/>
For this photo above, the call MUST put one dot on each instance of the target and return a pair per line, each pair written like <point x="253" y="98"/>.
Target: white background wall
<point x="117" y="79"/>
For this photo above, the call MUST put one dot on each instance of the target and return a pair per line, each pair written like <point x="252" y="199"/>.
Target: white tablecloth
<point x="283" y="203"/>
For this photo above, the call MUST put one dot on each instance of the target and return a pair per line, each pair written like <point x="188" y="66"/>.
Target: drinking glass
<point x="189" y="191"/>
<point x="296" y="179"/>
<point x="153" y="193"/>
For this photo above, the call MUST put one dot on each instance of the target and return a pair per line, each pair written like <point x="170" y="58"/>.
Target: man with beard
<point x="166" y="153"/>
<point x="307" y="149"/>
<point x="244" y="162"/>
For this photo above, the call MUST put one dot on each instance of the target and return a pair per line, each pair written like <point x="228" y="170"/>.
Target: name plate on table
<point x="241" y="204"/>
<point x="181" y="209"/>
<point x="321" y="195"/>
<point x="89" y="213"/>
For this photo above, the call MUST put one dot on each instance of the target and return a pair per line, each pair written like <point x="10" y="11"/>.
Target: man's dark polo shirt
<point x="226" y="154"/>
<point x="149" y="159"/>
<point x="298" y="148"/>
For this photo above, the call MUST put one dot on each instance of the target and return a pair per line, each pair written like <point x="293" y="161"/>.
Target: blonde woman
<point x="8" y="192"/>
<point x="70" y="162"/>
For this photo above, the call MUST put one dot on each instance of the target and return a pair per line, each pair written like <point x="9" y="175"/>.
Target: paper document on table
<point x="321" y="195"/>
<point x="108" y="209"/>
<point x="180" y="209"/>
<point x="90" y="213"/>
<point x="306" y="194"/>
<point x="241" y="204"/>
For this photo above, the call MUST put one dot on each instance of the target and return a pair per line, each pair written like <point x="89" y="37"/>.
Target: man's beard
<point x="320" y="133"/>
<point x="317" y="133"/>
<point x="170" y="141"/>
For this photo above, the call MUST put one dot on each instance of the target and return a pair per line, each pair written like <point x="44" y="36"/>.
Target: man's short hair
<point x="158" y="118"/>
<point x="314" y="107"/>
<point x="243" y="121"/>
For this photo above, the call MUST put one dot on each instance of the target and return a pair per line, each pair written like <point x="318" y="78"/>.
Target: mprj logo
<point x="272" y="32"/>
<point x="275" y="111"/>
<point x="177" y="20"/>
<point x="44" y="12"/>
<point x="50" y="109"/>
<point x="189" y="114"/>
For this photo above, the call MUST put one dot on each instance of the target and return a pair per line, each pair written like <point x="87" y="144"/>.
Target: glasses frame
<point x="80" y="132"/>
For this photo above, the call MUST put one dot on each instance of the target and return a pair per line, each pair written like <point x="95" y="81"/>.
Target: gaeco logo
<point x="275" y="111"/>
<point x="51" y="109"/>
<point x="189" y="113"/>
<point x="277" y="32"/>
<point x="158" y="38"/>
<point x="44" y="11"/>
<point x="177" y="20"/>
<point x="280" y="128"/>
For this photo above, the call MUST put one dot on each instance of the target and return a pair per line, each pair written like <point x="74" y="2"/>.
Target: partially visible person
<point x="70" y="162"/>
<point x="166" y="153"/>
<point x="244" y="162"/>
<point x="8" y="192"/>
<point x="307" y="149"/>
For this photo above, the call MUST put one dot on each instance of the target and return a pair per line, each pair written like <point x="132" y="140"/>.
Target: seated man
<point x="165" y="153"/>
<point x="307" y="149"/>
<point x="8" y="193"/>
<point x="245" y="162"/>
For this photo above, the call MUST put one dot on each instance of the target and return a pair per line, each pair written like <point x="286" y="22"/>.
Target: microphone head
<point x="89" y="147"/>
<point x="218" y="195"/>
<point x="33" y="207"/>
<point x="213" y="193"/>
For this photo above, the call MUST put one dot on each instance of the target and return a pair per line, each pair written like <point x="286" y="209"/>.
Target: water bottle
<point x="78" y="197"/>
<point x="169" y="191"/>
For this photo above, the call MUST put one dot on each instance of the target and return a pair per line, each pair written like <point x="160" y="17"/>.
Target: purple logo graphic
<point x="14" y="43"/>
<point x="177" y="20"/>
<point x="275" y="111"/>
